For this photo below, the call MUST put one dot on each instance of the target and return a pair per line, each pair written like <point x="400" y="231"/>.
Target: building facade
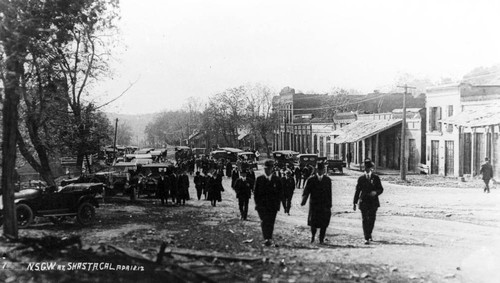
<point x="462" y="128"/>
<point x="378" y="137"/>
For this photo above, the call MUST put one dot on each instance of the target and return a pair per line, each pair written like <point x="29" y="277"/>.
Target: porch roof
<point x="362" y="129"/>
<point x="478" y="117"/>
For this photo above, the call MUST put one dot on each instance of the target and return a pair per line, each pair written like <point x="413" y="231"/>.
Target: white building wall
<point x="442" y="97"/>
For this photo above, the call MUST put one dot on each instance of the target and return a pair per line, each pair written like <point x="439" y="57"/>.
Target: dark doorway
<point x="449" y="163"/>
<point x="434" y="157"/>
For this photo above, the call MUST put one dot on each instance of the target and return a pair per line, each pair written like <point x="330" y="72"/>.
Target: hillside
<point x="137" y="123"/>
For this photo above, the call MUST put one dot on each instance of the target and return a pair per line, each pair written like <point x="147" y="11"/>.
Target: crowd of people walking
<point x="273" y="189"/>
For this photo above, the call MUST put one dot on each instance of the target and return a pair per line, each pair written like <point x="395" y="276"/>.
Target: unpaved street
<point x="421" y="235"/>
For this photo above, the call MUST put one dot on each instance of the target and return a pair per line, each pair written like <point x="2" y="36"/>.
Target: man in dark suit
<point x="487" y="172"/>
<point x="268" y="193"/>
<point x="368" y="189"/>
<point x="163" y="188"/>
<point x="243" y="187"/>
<point x="319" y="187"/>
<point x="288" y="188"/>
<point x="199" y="182"/>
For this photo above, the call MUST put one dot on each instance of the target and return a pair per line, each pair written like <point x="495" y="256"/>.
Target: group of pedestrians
<point x="270" y="191"/>
<point x="274" y="189"/>
<point x="173" y="184"/>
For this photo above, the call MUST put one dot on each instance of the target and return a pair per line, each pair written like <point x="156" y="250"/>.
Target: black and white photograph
<point x="250" y="141"/>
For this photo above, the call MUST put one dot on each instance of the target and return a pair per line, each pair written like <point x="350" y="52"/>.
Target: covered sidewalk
<point x="378" y="140"/>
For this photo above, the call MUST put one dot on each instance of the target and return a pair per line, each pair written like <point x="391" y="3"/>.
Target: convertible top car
<point x="78" y="200"/>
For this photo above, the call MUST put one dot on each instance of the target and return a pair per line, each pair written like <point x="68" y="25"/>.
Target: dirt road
<point x="421" y="235"/>
<point x="449" y="234"/>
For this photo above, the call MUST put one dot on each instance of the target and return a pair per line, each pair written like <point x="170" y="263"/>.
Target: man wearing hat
<point x="487" y="172"/>
<point x="288" y="188"/>
<point x="368" y="189"/>
<point x="243" y="187"/>
<point x="268" y="193"/>
<point x="319" y="187"/>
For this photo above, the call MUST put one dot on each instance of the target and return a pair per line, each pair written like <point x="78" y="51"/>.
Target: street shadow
<point x="396" y="243"/>
<point x="338" y="246"/>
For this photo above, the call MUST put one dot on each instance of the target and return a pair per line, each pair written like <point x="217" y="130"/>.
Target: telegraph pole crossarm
<point x="403" y="166"/>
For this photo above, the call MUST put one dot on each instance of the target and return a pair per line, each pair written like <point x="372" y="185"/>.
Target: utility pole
<point x="114" y="143"/>
<point x="402" y="164"/>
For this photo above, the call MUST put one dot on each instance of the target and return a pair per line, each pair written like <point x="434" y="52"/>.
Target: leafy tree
<point x="225" y="112"/>
<point x="65" y="51"/>
<point x="260" y="115"/>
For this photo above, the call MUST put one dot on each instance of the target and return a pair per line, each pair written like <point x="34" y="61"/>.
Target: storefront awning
<point x="478" y="117"/>
<point x="362" y="129"/>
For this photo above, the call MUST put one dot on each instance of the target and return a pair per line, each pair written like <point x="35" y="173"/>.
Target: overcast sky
<point x="177" y="49"/>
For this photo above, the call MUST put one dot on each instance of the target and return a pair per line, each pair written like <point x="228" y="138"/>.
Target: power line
<point x="345" y="104"/>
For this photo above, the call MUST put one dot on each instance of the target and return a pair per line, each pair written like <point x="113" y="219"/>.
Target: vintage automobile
<point x="308" y="159"/>
<point x="199" y="152"/>
<point x="226" y="153"/>
<point x="335" y="165"/>
<point x="114" y="180"/>
<point x="183" y="153"/>
<point x="248" y="158"/>
<point x="149" y="183"/>
<point x="72" y="200"/>
<point x="282" y="157"/>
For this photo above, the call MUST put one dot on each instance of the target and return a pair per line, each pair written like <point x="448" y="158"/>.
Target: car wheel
<point x="85" y="214"/>
<point x="24" y="215"/>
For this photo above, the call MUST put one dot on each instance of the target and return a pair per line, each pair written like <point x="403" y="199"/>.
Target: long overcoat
<point x="183" y="187"/>
<point x="214" y="187"/>
<point x="320" y="201"/>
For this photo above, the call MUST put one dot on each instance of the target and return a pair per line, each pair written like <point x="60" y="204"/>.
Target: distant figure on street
<point x="305" y="175"/>
<point x="268" y="193"/>
<point x="199" y="183"/>
<point x="173" y="178"/>
<point x="183" y="188"/>
<point x="368" y="189"/>
<point x="319" y="187"/>
<point x="487" y="172"/>
<point x="162" y="188"/>
<point x="229" y="168"/>
<point x="298" y="176"/>
<point x="215" y="188"/>
<point x="243" y="188"/>
<point x="288" y="187"/>
<point x="349" y="159"/>
<point x="235" y="174"/>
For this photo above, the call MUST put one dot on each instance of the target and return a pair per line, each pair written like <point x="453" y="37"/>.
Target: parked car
<point x="308" y="159"/>
<point x="149" y="183"/>
<point x="335" y="166"/>
<point x="249" y="158"/>
<point x="73" y="200"/>
<point x="114" y="180"/>
<point x="282" y="157"/>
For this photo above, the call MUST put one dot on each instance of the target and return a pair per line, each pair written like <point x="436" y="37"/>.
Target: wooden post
<point x="376" y="152"/>
<point x="461" y="150"/>
<point x="492" y="144"/>
<point x="363" y="154"/>
<point x="473" y="151"/>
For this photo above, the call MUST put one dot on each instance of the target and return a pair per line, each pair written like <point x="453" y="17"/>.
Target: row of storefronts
<point x="450" y="135"/>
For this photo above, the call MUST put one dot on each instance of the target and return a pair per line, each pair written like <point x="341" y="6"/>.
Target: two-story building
<point x="462" y="129"/>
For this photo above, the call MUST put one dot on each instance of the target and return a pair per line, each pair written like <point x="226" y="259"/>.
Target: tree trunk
<point x="10" y="122"/>
<point x="44" y="169"/>
<point x="41" y="150"/>
<point x="267" y="145"/>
